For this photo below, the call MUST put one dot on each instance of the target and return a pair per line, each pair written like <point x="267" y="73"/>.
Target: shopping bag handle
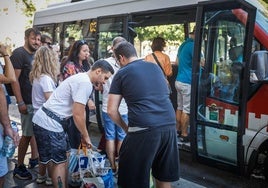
<point x="83" y="148"/>
<point x="89" y="154"/>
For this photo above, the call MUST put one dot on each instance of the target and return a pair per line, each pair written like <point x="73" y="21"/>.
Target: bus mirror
<point x="259" y="65"/>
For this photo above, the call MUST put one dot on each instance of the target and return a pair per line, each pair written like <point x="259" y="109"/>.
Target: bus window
<point x="89" y="30"/>
<point x="72" y="32"/>
<point x="52" y="30"/>
<point x="222" y="70"/>
<point x="108" y="29"/>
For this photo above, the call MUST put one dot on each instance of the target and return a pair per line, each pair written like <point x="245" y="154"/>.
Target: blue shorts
<point x="112" y="131"/>
<point x="151" y="149"/>
<point x="52" y="146"/>
<point x="3" y="160"/>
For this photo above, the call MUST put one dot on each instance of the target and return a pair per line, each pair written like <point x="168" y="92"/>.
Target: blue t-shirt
<point x="185" y="57"/>
<point x="144" y="88"/>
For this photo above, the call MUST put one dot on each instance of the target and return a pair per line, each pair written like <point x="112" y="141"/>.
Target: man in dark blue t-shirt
<point x="21" y="59"/>
<point x="151" y="141"/>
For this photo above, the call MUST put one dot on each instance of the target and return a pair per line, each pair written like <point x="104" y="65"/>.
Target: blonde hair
<point x="45" y="62"/>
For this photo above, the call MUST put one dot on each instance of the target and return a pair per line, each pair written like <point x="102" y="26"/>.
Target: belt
<point x="136" y="129"/>
<point x="52" y="115"/>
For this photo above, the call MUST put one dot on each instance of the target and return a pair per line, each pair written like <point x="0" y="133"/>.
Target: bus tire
<point x="265" y="168"/>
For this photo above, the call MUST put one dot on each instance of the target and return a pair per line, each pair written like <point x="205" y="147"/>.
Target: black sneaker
<point x="33" y="163"/>
<point x="184" y="139"/>
<point x="21" y="172"/>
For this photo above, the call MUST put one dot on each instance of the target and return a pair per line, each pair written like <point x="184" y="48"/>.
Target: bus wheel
<point x="265" y="168"/>
<point x="260" y="170"/>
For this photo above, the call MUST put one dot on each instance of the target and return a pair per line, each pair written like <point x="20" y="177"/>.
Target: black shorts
<point x="73" y="134"/>
<point x="52" y="146"/>
<point x="155" y="150"/>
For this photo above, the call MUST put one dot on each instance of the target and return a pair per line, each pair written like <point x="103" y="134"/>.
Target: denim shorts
<point x="112" y="131"/>
<point x="26" y="121"/>
<point x="52" y="146"/>
<point x="3" y="160"/>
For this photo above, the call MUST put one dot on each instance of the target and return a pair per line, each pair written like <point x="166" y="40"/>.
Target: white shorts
<point x="183" y="96"/>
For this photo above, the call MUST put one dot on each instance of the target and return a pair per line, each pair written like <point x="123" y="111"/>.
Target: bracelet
<point x="20" y="103"/>
<point x="5" y="55"/>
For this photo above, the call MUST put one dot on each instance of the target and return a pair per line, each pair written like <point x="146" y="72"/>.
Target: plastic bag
<point x="85" y="163"/>
<point x="105" y="181"/>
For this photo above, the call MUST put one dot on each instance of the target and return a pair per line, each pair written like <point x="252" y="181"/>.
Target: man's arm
<point x="4" y="118"/>
<point x="80" y="122"/>
<point x="112" y="110"/>
<point x="17" y="92"/>
<point x="9" y="74"/>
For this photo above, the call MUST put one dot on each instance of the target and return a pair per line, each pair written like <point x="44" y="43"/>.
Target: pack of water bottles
<point x="8" y="148"/>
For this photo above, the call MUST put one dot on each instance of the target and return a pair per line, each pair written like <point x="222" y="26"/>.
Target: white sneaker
<point x="41" y="179"/>
<point x="48" y="181"/>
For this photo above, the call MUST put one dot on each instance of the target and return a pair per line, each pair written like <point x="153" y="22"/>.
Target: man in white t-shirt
<point x="69" y="99"/>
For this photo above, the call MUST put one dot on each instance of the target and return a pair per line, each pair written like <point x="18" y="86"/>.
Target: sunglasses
<point x="48" y="43"/>
<point x="80" y="43"/>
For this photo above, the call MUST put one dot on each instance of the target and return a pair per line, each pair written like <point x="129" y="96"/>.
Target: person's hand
<point x="98" y="87"/>
<point x="3" y="49"/>
<point x="91" y="105"/>
<point x="86" y="142"/>
<point x="12" y="134"/>
<point x="23" y="109"/>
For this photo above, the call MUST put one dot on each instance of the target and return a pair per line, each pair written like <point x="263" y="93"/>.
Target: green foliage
<point x="28" y="7"/>
<point x="266" y="1"/>
<point x="170" y="33"/>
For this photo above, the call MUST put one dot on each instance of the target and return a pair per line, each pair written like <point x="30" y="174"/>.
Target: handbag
<point x="158" y="63"/>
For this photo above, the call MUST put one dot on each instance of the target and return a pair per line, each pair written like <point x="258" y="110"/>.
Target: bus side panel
<point x="257" y="110"/>
<point x="221" y="112"/>
<point x="221" y="142"/>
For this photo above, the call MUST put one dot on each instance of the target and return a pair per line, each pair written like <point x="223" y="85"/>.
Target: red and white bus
<point x="229" y="103"/>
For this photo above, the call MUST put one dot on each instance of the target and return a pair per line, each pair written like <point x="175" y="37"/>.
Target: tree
<point x="28" y="9"/>
<point x="169" y="32"/>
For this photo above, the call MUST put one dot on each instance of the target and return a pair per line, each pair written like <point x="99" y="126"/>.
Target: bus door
<point x="107" y="29"/>
<point x="221" y="57"/>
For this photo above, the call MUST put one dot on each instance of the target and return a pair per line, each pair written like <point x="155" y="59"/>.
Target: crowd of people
<point x="54" y="97"/>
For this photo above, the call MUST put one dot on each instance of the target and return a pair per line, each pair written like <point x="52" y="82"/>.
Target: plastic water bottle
<point x="9" y="147"/>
